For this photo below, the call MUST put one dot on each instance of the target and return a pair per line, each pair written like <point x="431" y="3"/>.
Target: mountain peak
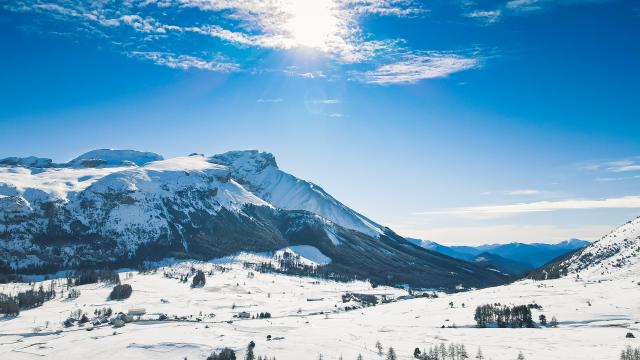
<point x="113" y="157"/>
<point x="247" y="161"/>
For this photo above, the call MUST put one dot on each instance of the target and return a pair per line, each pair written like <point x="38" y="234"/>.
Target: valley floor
<point x="308" y="320"/>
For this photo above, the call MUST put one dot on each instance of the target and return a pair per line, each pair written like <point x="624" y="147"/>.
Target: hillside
<point x="615" y="255"/>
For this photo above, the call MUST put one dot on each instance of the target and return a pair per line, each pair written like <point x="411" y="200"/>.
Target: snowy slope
<point x="615" y="255"/>
<point x="593" y="319"/>
<point x="261" y="174"/>
<point x="112" y="157"/>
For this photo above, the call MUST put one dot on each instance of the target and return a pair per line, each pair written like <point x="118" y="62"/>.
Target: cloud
<point x="327" y="101"/>
<point x="525" y="5"/>
<point x="274" y="100"/>
<point x="489" y="17"/>
<point x="184" y="62"/>
<point x="623" y="168"/>
<point x="621" y="178"/>
<point x="330" y="28"/>
<point x="335" y="115"/>
<point x="522" y="192"/>
<point x="626" y="202"/>
<point x="414" y="68"/>
<point x="504" y="233"/>
<point x="615" y="166"/>
<point x="317" y="74"/>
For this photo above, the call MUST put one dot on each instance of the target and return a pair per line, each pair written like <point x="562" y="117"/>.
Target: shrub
<point x="199" y="279"/>
<point x="120" y="292"/>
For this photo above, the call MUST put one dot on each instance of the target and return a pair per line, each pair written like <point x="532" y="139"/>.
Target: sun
<point x="312" y="23"/>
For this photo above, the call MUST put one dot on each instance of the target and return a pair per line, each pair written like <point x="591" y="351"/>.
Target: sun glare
<point x="312" y="23"/>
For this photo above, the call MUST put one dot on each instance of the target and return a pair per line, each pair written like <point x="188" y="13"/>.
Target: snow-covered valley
<point x="308" y="318"/>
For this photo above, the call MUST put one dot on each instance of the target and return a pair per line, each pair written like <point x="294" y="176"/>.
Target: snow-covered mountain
<point x="109" y="207"/>
<point x="615" y="255"/>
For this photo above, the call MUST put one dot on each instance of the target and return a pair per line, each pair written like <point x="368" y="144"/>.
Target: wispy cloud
<point x="525" y="5"/>
<point x="274" y="100"/>
<point x="183" y="62"/>
<point x="626" y="202"/>
<point x="620" y="178"/>
<point x="613" y="166"/>
<point x="327" y="101"/>
<point x="155" y="30"/>
<point x="521" y="192"/>
<point x="419" y="67"/>
<point x="517" y="7"/>
<point x="487" y="16"/>
<point x="335" y="115"/>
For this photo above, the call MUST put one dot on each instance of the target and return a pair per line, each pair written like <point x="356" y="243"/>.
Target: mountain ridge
<point x="114" y="211"/>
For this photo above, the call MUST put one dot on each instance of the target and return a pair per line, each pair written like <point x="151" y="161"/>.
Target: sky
<point x="459" y="121"/>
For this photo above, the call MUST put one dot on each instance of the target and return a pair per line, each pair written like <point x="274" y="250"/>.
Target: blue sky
<point x="456" y="121"/>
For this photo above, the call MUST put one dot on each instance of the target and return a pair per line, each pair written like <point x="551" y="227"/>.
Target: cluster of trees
<point x="83" y="277"/>
<point x="11" y="305"/>
<point x="103" y="312"/>
<point x="503" y="316"/>
<point x="263" y="315"/>
<point x="229" y="354"/>
<point x="9" y="278"/>
<point x="290" y="264"/>
<point x="442" y="352"/>
<point x="630" y="354"/>
<point x="361" y="298"/>
<point x="120" y="292"/>
<point x="199" y="279"/>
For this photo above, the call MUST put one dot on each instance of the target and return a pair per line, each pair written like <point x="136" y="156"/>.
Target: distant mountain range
<point x="125" y="207"/>
<point x="512" y="258"/>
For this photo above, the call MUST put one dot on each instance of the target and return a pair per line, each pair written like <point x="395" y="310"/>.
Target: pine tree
<point x="543" y="320"/>
<point x="360" y="357"/>
<point x="379" y="347"/>
<point x="521" y="356"/>
<point x="479" y="355"/>
<point x="391" y="354"/>
<point x="554" y="322"/>
<point x="249" y="355"/>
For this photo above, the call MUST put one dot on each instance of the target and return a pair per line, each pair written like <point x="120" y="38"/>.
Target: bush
<point x="224" y="354"/>
<point x="120" y="292"/>
<point x="199" y="279"/>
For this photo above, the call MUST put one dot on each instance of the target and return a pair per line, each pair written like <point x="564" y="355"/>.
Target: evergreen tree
<point x="359" y="357"/>
<point x="543" y="320"/>
<point x="391" y="354"/>
<point x="520" y="356"/>
<point x="199" y="279"/>
<point x="379" y="347"/>
<point x="249" y="355"/>
<point x="479" y="354"/>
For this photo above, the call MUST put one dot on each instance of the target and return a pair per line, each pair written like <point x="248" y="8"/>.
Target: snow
<point x="118" y="157"/>
<point x="261" y="173"/>
<point x="310" y="253"/>
<point x="615" y="255"/>
<point x="593" y="319"/>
